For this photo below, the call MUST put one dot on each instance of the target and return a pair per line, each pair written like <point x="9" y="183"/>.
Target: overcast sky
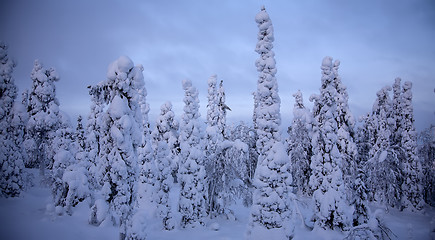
<point x="376" y="41"/>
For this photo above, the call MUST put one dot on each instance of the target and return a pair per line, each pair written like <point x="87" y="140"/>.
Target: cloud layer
<point x="376" y="41"/>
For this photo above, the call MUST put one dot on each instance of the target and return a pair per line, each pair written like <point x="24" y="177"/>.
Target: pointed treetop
<point x="262" y="16"/>
<point x="407" y="85"/>
<point x="299" y="102"/>
<point x="327" y="62"/>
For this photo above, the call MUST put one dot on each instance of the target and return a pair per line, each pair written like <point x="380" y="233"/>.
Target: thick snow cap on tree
<point x="327" y="62"/>
<point x="262" y="18"/>
<point x="120" y="67"/>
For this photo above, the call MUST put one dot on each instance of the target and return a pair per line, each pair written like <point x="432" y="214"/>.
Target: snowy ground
<point x="27" y="217"/>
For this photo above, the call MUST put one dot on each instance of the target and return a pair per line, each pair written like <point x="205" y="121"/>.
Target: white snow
<point x="383" y="156"/>
<point x="26" y="217"/>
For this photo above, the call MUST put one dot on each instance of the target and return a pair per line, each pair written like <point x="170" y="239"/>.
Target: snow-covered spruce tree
<point x="64" y="157"/>
<point x="147" y="172"/>
<point x="362" y="141"/>
<point x="73" y="187"/>
<point x="163" y="185"/>
<point x="93" y="136"/>
<point x="243" y="140"/>
<point x="299" y="147"/>
<point x="234" y="155"/>
<point x="43" y="109"/>
<point x="121" y="136"/>
<point x="331" y="208"/>
<point x="11" y="130"/>
<point x="396" y="114"/>
<point x="193" y="193"/>
<point x="222" y="110"/>
<point x="213" y="164"/>
<point x="346" y="143"/>
<point x="360" y="191"/>
<point x="163" y="135"/>
<point x="246" y="134"/>
<point x="427" y="156"/>
<point x="146" y="162"/>
<point x="384" y="175"/>
<point x="223" y="155"/>
<point x="412" y="194"/>
<point x="212" y="106"/>
<point x="270" y="211"/>
<point x="77" y="176"/>
<point x="80" y="140"/>
<point x="236" y="181"/>
<point x="168" y="127"/>
<point x="361" y="212"/>
<point x="267" y="112"/>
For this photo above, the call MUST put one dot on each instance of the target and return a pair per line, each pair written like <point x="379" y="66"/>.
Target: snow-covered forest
<point x="333" y="175"/>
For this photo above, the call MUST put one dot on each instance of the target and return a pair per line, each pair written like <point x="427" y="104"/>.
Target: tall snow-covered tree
<point x="191" y="159"/>
<point x="384" y="175"/>
<point x="193" y="193"/>
<point x="243" y="138"/>
<point x="360" y="197"/>
<point x="361" y="212"/>
<point x="427" y="156"/>
<point x="224" y="157"/>
<point x="147" y="178"/>
<point x="396" y="114"/>
<point x="163" y="185"/>
<point x="7" y="84"/>
<point x="64" y="157"/>
<point x="299" y="147"/>
<point x="75" y="178"/>
<point x="80" y="138"/>
<point x="121" y="135"/>
<point x="163" y="135"/>
<point x="331" y="208"/>
<point x="362" y="141"/>
<point x="11" y="130"/>
<point x="212" y="106"/>
<point x="222" y="110"/>
<point x="267" y="112"/>
<point x="270" y="212"/>
<point x="412" y="197"/>
<point x="214" y="159"/>
<point x="168" y="127"/>
<point x="346" y="143"/>
<point x="43" y="109"/>
<point x="246" y="134"/>
<point x="93" y="135"/>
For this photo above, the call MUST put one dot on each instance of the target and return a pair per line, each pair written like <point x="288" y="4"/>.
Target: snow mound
<point x="327" y="61"/>
<point x="383" y="156"/>
<point x="118" y="107"/>
<point x="215" y="226"/>
<point x="119" y="67"/>
<point x="124" y="64"/>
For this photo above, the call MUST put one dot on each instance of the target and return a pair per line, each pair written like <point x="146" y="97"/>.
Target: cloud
<point x="376" y="41"/>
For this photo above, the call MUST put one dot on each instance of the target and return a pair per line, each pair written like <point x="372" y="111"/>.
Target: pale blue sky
<point x="375" y="41"/>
